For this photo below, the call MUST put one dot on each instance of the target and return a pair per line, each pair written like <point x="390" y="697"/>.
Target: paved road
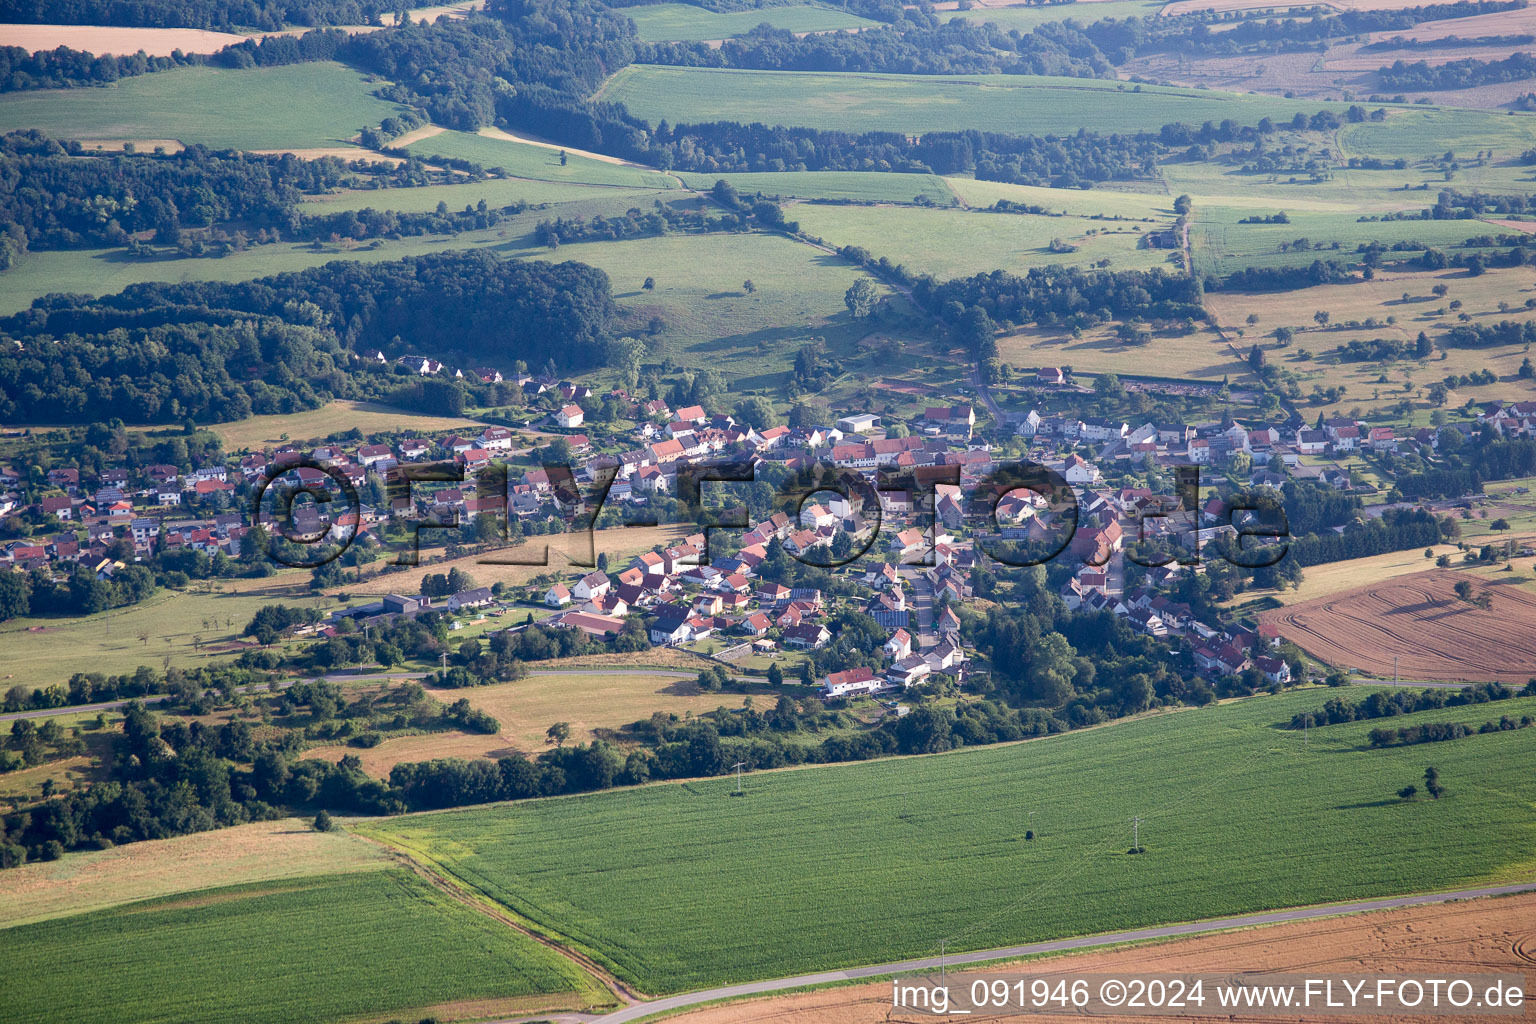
<point x="932" y="963"/>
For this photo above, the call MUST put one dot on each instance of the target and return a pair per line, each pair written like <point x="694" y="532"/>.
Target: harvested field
<point x="1500" y="23"/>
<point x="258" y="852"/>
<point x="1419" y="620"/>
<point x="1222" y="6"/>
<point x="377" y="761"/>
<point x="101" y="39"/>
<point x="333" y="418"/>
<point x="1434" y="941"/>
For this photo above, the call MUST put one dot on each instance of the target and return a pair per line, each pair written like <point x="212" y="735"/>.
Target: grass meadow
<point x="299" y="106"/>
<point x="660" y="23"/>
<point x="957" y="243"/>
<point x="1025" y="18"/>
<point x="320" y="948"/>
<point x="1200" y="355"/>
<point x="859" y="186"/>
<point x="497" y="193"/>
<point x="260" y="432"/>
<point x="525" y="160"/>
<point x="835" y="866"/>
<point x="1017" y="104"/>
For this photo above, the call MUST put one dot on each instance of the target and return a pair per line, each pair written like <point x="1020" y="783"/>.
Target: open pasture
<point x="1117" y="199"/>
<point x="1017" y="104"/>
<point x="660" y="23"/>
<point x="957" y="243"/>
<point x="1419" y="624"/>
<point x="1199" y="356"/>
<point x="540" y="163"/>
<point x="497" y="193"/>
<point x="1026" y="17"/>
<point x="887" y="858"/>
<point x="319" y="948"/>
<point x="858" y="186"/>
<point x="320" y="104"/>
<point x="1381" y="298"/>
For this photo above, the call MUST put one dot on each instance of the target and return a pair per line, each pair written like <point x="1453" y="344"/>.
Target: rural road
<point x="932" y="963"/>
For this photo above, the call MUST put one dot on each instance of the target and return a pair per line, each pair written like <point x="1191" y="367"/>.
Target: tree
<point x="1463" y="590"/>
<point x="1408" y="792"/>
<point x="323" y="821"/>
<point x="558" y="733"/>
<point x="775" y="675"/>
<point x="860" y="298"/>
<point x="1432" y="782"/>
<point x="1322" y="317"/>
<point x="650" y="284"/>
<point x="748" y="287"/>
<point x="1183" y="205"/>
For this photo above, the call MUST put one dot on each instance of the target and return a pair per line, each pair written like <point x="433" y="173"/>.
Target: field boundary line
<point x="469" y="896"/>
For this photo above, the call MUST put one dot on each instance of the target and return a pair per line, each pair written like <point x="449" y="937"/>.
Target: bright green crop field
<point x="299" y="106"/>
<point x="1025" y="18"/>
<point x="1017" y="104"/>
<point x="683" y="22"/>
<point x="681" y="886"/>
<point x="303" y="950"/>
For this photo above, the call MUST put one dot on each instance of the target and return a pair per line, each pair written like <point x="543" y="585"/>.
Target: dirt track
<point x="1479" y="936"/>
<point x="1419" y="620"/>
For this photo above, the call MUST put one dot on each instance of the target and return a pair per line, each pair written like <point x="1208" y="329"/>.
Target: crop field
<point x="540" y="163"/>
<point x="1018" y="104"/>
<point x="320" y="948"/>
<point x="100" y="40"/>
<point x="1419" y="621"/>
<point x="1419" y="132"/>
<point x="957" y="243"/>
<point x="660" y="23"/>
<point x="258" y="852"/>
<point x="44" y="651"/>
<point x="706" y="889"/>
<point x="1333" y="577"/>
<point x="859" y="186"/>
<point x="300" y="106"/>
<point x="710" y="319"/>
<point x="1199" y="356"/>
<point x="259" y="432"/>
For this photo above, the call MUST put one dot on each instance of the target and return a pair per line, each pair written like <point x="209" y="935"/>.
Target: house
<point x="671" y="626"/>
<point x="1276" y="670"/>
<point x="1383" y="440"/>
<point x="480" y="597"/>
<point x="807" y="635"/>
<point x="496" y="439"/>
<point x="1050" y="376"/>
<point x="570" y="416"/>
<point x="691" y="414"/>
<point x="756" y="624"/>
<point x="852" y="682"/>
<point x="414" y="448"/>
<point x="899" y="645"/>
<point x="1311" y="442"/>
<point x="1200" y="451"/>
<point x="557" y="596"/>
<point x="1080" y="471"/>
<point x="591" y="586"/>
<point x="949" y="623"/>
<point x="908" y="671"/>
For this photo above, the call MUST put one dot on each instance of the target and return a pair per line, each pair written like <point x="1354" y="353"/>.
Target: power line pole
<point x="1136" y="833"/>
<point x="943" y="964"/>
<point x="1394" y="670"/>
<point x="739" y="765"/>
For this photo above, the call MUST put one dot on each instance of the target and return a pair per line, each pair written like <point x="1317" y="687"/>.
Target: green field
<point x="858" y="186"/>
<point x="885" y="859"/>
<point x="1221" y="245"/>
<point x="710" y="319"/>
<point x="957" y="243"/>
<point x="1017" y="104"/>
<point x="1116" y="200"/>
<point x="299" y="106"/>
<point x="1026" y="18"/>
<point x="321" y="948"/>
<point x="524" y="160"/>
<point x="684" y="22"/>
<point x="497" y="193"/>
